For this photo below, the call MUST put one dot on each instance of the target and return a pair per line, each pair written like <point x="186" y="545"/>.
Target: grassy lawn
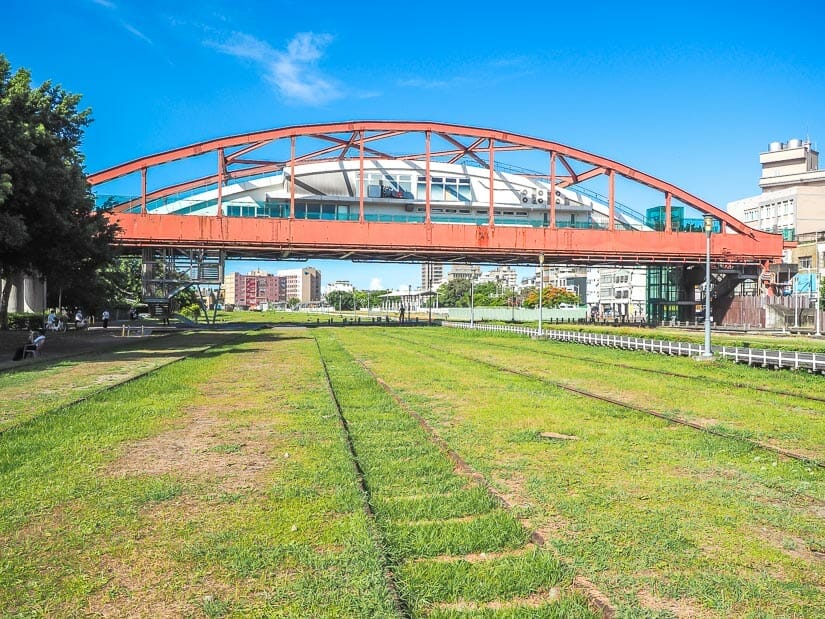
<point x="213" y="487"/>
<point x="795" y="424"/>
<point x="447" y="540"/>
<point x="36" y="389"/>
<point x="223" y="485"/>
<point x="664" y="519"/>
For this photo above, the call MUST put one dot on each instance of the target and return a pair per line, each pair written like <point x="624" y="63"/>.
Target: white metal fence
<point x="796" y="360"/>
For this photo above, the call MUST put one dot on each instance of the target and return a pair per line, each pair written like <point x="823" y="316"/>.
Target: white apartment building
<point x="505" y="276"/>
<point x="617" y="292"/>
<point x="339" y="286"/>
<point x="432" y="274"/>
<point x="792" y="201"/>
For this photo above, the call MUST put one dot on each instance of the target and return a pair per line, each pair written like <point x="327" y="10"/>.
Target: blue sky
<point x="688" y="92"/>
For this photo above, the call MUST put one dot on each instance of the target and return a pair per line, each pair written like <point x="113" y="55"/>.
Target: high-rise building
<point x="432" y="274"/>
<point x="303" y="284"/>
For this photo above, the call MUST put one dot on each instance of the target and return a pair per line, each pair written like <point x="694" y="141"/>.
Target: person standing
<point x="105" y="318"/>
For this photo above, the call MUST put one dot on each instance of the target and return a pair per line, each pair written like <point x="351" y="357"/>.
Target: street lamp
<point x="472" y="300"/>
<point x="816" y="306"/>
<point x="708" y="353"/>
<point x="430" y="286"/>
<point x="541" y="289"/>
<point x="795" y="292"/>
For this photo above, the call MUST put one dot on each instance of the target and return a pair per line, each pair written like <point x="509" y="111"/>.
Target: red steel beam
<point x="372" y="240"/>
<point x="514" y="142"/>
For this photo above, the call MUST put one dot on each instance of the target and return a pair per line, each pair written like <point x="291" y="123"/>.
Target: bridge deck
<point x="417" y="242"/>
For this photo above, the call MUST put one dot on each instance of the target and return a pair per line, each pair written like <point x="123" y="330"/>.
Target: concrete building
<point x="339" y="286"/>
<point x="792" y="201"/>
<point x="432" y="274"/>
<point x="255" y="290"/>
<point x="464" y="271"/>
<point x="504" y="276"/>
<point x="303" y="284"/>
<point x="621" y="292"/>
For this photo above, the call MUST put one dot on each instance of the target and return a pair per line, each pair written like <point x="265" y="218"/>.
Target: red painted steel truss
<point x="364" y="240"/>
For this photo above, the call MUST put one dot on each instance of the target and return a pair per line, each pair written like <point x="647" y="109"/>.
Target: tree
<point x="821" y="293"/>
<point x="49" y="226"/>
<point x="553" y="297"/>
<point x="340" y="300"/>
<point x="368" y="298"/>
<point x="455" y="293"/>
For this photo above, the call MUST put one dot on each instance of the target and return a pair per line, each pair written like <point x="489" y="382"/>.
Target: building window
<point x="805" y="262"/>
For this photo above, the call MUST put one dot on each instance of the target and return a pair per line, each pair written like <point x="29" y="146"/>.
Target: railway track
<point x="389" y="576"/>
<point x="627" y="405"/>
<point x="534" y="541"/>
<point x="704" y="379"/>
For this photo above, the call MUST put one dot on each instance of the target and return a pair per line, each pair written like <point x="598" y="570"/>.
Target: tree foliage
<point x="456" y="293"/>
<point x="48" y="224"/>
<point x="340" y="300"/>
<point x="365" y="299"/>
<point x="553" y="297"/>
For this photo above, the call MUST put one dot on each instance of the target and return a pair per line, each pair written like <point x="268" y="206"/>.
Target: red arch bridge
<point x="413" y="192"/>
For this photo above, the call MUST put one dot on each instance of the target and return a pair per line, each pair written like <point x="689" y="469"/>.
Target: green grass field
<point x="230" y="483"/>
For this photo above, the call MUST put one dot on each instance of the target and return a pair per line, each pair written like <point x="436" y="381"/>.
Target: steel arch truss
<point x="240" y="156"/>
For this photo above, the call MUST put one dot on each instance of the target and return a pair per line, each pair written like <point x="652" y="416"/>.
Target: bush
<point x="25" y="321"/>
<point x="193" y="311"/>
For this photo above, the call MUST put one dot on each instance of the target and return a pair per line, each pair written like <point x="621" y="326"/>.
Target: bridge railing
<point x="789" y="359"/>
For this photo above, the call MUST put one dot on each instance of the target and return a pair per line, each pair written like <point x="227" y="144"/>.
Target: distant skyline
<point x="691" y="93"/>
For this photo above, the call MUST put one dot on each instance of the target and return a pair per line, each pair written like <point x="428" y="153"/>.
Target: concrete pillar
<point x="28" y="295"/>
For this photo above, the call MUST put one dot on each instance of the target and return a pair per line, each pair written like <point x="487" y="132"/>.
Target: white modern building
<point x="339" y="286"/>
<point x="793" y="192"/>
<point x="617" y="292"/>
<point x="505" y="276"/>
<point x="395" y="190"/>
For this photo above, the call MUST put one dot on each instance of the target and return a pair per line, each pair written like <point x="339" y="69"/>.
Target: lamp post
<point x="708" y="353"/>
<point x="430" y="304"/>
<point x="541" y="290"/>
<point x="816" y="306"/>
<point x="472" y="301"/>
<point x="795" y="292"/>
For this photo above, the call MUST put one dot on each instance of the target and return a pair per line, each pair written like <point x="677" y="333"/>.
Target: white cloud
<point x="105" y="3"/>
<point x="375" y="284"/>
<point x="293" y="72"/>
<point x="137" y="32"/>
<point x="419" y="82"/>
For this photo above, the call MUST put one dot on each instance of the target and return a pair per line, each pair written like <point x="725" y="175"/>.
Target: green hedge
<point x="25" y="321"/>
